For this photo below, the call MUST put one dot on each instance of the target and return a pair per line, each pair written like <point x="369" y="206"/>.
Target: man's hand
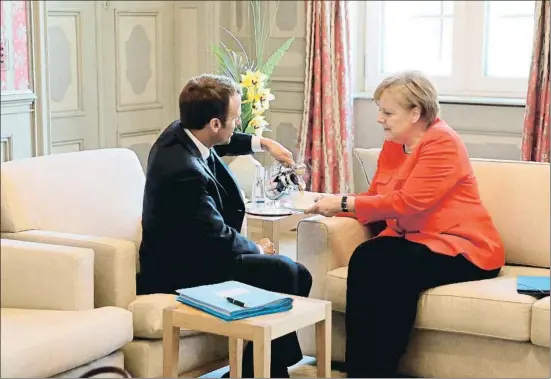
<point x="327" y="205"/>
<point x="277" y="150"/>
<point x="266" y="246"/>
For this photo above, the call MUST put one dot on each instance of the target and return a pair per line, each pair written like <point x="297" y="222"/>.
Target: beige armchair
<point x="49" y="324"/>
<point x="93" y="199"/>
<point x="476" y="329"/>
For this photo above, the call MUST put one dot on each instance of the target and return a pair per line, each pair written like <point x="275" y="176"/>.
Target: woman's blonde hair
<point x="412" y="89"/>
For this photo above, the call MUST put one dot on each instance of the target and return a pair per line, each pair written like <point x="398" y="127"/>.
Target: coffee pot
<point x="284" y="180"/>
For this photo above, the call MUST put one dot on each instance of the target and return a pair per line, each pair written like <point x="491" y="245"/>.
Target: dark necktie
<point x="210" y="162"/>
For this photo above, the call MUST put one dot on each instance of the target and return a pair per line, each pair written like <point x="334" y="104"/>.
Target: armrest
<point x="114" y="263"/>
<point x="326" y="243"/>
<point x="40" y="276"/>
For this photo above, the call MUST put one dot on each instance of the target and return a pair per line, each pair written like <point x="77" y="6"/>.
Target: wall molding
<point x="288" y="79"/>
<point x="7" y="141"/>
<point x="66" y="142"/>
<point x="285" y="110"/>
<point x="69" y="142"/>
<point x="213" y="31"/>
<point x="102" y="132"/>
<point x="483" y="132"/>
<point x="287" y="86"/>
<point x="136" y="133"/>
<point x="40" y="76"/>
<point x="17" y="97"/>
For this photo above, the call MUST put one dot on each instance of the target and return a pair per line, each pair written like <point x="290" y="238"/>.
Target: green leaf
<point x="227" y="66"/>
<point x="246" y="112"/>
<point x="272" y="62"/>
<point x="234" y="62"/>
<point x="243" y="50"/>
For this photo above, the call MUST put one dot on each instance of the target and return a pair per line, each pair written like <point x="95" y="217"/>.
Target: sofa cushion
<point x="147" y="312"/>
<point x="43" y="343"/>
<point x="540" y="322"/>
<point x="488" y="308"/>
<point x="143" y="358"/>
<point x="525" y="185"/>
<point x="58" y="193"/>
<point x="115" y="359"/>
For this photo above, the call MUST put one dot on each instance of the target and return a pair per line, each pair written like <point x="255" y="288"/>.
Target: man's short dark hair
<point x="205" y="97"/>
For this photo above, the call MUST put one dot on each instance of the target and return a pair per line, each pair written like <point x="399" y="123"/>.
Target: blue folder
<point x="533" y="285"/>
<point x="215" y="300"/>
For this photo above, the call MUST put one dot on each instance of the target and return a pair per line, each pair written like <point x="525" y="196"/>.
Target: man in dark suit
<point x="193" y="209"/>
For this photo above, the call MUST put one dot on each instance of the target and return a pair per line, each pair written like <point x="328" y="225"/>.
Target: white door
<point x="138" y="73"/>
<point x="72" y="53"/>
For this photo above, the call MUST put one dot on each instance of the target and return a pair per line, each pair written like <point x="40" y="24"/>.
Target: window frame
<point x="467" y="76"/>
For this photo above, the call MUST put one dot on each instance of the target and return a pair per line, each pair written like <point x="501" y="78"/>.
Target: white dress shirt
<point x="205" y="151"/>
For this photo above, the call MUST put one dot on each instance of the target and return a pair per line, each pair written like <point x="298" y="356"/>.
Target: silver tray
<point x="268" y="211"/>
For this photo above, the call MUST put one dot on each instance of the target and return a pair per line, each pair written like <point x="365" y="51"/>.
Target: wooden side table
<point x="261" y="330"/>
<point x="270" y="226"/>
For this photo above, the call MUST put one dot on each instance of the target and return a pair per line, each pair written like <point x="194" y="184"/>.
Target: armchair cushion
<point x="94" y="192"/>
<point x="147" y="312"/>
<point x="540" y="322"/>
<point x="42" y="276"/>
<point x="42" y="343"/>
<point x="114" y="263"/>
<point x="325" y="244"/>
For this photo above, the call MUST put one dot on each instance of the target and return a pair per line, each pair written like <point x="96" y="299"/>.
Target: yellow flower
<point x="265" y="96"/>
<point x="258" y="122"/>
<point x="253" y="96"/>
<point x="258" y="108"/>
<point x="253" y="79"/>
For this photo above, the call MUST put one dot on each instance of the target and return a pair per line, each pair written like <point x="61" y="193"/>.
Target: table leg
<point x="257" y="229"/>
<point x="270" y="229"/>
<point x="262" y="351"/>
<point x="323" y="345"/>
<point x="171" y="346"/>
<point x="236" y="357"/>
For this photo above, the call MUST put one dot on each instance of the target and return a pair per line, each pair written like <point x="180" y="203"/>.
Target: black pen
<point x="236" y="302"/>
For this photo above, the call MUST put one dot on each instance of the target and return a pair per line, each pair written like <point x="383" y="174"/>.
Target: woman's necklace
<point x="409" y="149"/>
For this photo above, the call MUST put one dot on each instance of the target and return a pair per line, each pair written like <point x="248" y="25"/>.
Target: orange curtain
<point x="535" y="140"/>
<point x="325" y="138"/>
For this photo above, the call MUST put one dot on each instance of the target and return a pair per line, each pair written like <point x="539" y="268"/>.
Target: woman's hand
<point x="327" y="205"/>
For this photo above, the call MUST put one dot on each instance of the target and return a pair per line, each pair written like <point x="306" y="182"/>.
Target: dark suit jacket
<point x="191" y="219"/>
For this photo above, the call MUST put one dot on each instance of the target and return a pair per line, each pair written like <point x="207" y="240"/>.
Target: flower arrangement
<point x="253" y="75"/>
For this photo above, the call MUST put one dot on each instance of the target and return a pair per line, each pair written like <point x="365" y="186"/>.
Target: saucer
<point x="296" y="209"/>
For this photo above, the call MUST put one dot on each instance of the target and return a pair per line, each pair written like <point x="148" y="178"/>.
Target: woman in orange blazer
<point x="437" y="229"/>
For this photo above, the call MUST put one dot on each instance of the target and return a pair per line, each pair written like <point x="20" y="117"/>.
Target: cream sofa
<point x="48" y="321"/>
<point x="93" y="199"/>
<point x="477" y="329"/>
